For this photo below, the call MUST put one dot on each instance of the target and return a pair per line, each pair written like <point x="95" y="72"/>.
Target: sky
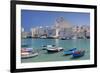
<point x="33" y="18"/>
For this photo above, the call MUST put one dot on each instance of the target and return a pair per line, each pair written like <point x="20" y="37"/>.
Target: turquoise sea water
<point x="43" y="56"/>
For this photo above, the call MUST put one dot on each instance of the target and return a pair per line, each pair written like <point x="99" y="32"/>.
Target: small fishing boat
<point x="73" y="49"/>
<point x="26" y="49"/>
<point x="70" y="51"/>
<point x="78" y="53"/>
<point x="57" y="49"/>
<point x="53" y="48"/>
<point x="28" y="53"/>
<point x="44" y="47"/>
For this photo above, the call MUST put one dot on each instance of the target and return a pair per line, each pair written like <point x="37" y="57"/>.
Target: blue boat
<point x="70" y="51"/>
<point x="73" y="49"/>
<point x="78" y="53"/>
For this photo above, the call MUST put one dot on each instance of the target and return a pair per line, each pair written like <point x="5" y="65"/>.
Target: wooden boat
<point x="70" y="51"/>
<point x="78" y="53"/>
<point x="73" y="49"/>
<point x="27" y="50"/>
<point x="28" y="55"/>
<point x="44" y="47"/>
<point x="53" y="48"/>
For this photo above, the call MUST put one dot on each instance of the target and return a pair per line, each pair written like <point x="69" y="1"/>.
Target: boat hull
<point x="48" y="50"/>
<point x="79" y="54"/>
<point x="69" y="52"/>
<point x="29" y="56"/>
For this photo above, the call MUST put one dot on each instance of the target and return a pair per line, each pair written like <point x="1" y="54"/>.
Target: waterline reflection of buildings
<point x="57" y="42"/>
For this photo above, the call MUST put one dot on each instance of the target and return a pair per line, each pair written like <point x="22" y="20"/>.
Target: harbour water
<point x="43" y="56"/>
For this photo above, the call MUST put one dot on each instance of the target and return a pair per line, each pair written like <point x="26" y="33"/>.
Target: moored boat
<point x="53" y="48"/>
<point x="28" y="53"/>
<point x="70" y="51"/>
<point x="26" y="49"/>
<point x="78" y="53"/>
<point x="56" y="49"/>
<point x="73" y="49"/>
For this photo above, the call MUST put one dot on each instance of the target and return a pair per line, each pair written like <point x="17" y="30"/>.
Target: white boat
<point x="26" y="49"/>
<point x="53" y="48"/>
<point x="28" y="55"/>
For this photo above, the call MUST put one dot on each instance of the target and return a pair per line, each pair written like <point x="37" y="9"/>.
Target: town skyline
<point x="31" y="18"/>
